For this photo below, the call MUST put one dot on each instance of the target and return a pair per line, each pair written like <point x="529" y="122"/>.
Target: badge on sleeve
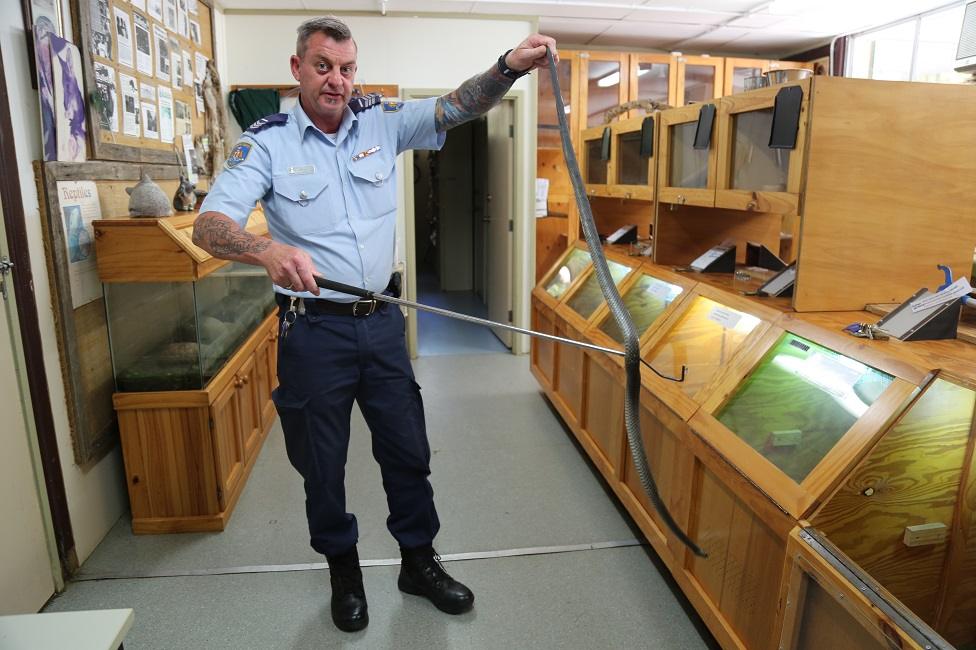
<point x="392" y="105"/>
<point x="238" y="155"/>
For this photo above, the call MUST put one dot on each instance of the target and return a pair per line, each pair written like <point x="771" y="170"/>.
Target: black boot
<point x="422" y="574"/>
<point x="349" y="612"/>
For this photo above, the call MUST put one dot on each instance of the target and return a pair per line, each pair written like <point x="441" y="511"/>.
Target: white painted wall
<point x="96" y="495"/>
<point x="430" y="53"/>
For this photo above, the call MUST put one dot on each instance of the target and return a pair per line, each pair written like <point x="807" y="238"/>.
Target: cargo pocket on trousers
<point x="419" y="421"/>
<point x="293" y="414"/>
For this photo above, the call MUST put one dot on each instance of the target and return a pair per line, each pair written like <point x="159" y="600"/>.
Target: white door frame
<point x="523" y="244"/>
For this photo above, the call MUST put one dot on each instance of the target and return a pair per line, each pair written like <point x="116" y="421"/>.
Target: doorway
<point x="463" y="207"/>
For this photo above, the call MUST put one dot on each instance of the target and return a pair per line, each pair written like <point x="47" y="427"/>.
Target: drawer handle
<point x="751" y="205"/>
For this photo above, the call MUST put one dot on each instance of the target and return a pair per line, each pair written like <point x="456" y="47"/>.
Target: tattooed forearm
<point x="220" y="236"/>
<point x="472" y="98"/>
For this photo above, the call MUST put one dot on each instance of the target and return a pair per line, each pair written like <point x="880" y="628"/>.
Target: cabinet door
<point x="653" y="77"/>
<point x="265" y="379"/>
<point x="605" y="84"/>
<point x="248" y="387"/>
<point x="686" y="175"/>
<point x="596" y="171"/>
<point x="228" y="446"/>
<point x="567" y="71"/>
<point x="751" y="175"/>
<point x="699" y="79"/>
<point x="737" y="71"/>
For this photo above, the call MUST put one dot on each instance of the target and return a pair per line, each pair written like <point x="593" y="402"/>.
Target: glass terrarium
<point x="571" y="267"/>
<point x="689" y="166"/>
<point x="632" y="169"/>
<point x="646" y="300"/>
<point x="799" y="401"/>
<point x="589" y="296"/>
<point x="178" y="335"/>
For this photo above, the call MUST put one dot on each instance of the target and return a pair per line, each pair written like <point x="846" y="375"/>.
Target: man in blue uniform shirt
<point x="325" y="175"/>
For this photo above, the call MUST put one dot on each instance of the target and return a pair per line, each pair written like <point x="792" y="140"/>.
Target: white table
<point x="102" y="629"/>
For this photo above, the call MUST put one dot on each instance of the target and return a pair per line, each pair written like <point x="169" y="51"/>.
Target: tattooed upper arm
<point x="472" y="99"/>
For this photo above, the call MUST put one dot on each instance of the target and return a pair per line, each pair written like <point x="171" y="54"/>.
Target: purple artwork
<point x="69" y="100"/>
<point x="45" y="86"/>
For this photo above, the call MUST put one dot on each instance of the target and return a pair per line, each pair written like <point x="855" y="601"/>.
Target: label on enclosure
<point x="727" y="318"/>
<point x="926" y="534"/>
<point x="659" y="290"/>
<point x="786" y="437"/>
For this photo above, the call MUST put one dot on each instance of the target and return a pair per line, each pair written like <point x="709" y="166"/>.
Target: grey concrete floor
<point x="507" y="477"/>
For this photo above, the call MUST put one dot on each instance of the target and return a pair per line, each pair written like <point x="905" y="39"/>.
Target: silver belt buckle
<point x="371" y="307"/>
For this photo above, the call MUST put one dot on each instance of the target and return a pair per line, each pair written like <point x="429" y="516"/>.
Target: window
<point x="921" y="48"/>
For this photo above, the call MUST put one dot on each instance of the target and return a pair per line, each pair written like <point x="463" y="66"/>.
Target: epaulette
<point x="364" y="102"/>
<point x="265" y="122"/>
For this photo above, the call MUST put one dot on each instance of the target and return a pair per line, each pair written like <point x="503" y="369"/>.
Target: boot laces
<point x="435" y="569"/>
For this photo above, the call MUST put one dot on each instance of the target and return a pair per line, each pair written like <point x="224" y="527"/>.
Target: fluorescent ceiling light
<point x="611" y="79"/>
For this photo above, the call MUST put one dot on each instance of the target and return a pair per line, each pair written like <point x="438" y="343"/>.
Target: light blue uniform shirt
<point x="334" y="198"/>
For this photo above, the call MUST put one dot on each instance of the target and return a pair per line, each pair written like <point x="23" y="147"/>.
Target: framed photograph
<point x="42" y="17"/>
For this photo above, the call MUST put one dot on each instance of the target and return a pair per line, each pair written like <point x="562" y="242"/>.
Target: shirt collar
<point x="304" y="121"/>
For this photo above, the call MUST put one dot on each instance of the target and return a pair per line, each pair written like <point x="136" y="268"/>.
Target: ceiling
<point x="771" y="28"/>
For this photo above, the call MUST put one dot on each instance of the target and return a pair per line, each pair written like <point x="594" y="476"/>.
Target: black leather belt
<point x="358" y="309"/>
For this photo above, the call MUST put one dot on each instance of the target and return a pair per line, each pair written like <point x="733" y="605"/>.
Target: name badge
<point x="302" y="170"/>
<point x="368" y="152"/>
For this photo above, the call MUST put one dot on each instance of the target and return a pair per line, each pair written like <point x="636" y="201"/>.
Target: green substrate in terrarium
<point x="799" y="401"/>
<point x="589" y="296"/>
<point x="573" y="264"/>
<point x="645" y="301"/>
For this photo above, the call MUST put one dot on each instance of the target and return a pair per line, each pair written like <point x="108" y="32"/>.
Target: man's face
<point x="325" y="75"/>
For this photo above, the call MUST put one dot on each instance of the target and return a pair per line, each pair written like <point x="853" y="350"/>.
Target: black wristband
<point x="508" y="72"/>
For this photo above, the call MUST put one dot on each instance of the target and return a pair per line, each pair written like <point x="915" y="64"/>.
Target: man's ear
<point x="295" y="64"/>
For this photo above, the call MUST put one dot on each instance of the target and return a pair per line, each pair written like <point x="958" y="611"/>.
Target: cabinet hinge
<point x="511" y="130"/>
<point x="511" y="225"/>
<point x="510" y="316"/>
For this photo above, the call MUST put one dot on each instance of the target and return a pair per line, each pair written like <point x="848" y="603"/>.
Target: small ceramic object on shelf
<point x="146" y="199"/>
<point x="185" y="199"/>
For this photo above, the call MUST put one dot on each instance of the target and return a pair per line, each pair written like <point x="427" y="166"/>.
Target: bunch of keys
<point x="291" y="315"/>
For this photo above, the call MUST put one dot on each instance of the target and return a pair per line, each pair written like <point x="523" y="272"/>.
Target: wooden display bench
<point x="188" y="453"/>
<point x="910" y="440"/>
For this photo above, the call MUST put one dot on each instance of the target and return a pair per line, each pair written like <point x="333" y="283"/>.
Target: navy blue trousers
<point x="324" y="364"/>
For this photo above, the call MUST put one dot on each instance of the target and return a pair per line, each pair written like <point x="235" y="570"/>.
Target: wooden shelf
<point x="140" y="249"/>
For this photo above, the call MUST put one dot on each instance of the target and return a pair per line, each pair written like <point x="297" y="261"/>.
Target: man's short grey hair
<point x="328" y="25"/>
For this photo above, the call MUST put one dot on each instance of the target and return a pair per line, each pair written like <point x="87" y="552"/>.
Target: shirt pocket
<point x="302" y="203"/>
<point x="372" y="179"/>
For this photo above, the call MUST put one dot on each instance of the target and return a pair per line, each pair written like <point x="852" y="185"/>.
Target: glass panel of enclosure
<point x="799" y="401"/>
<point x="823" y="621"/>
<point x="572" y="266"/>
<point x="548" y="120"/>
<point x="603" y="90"/>
<point x="699" y="83"/>
<point x="230" y="304"/>
<point x="645" y="301"/>
<point x="739" y="76"/>
<point x="632" y="169"/>
<point x="704" y="340"/>
<point x="589" y="296"/>
<point x="755" y="166"/>
<point x="689" y="166"/>
<point x="596" y="169"/>
<point x="165" y="356"/>
<point x="652" y="81"/>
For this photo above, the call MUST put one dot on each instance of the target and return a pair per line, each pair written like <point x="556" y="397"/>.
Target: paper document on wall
<point x="541" y="197"/>
<point x="79" y="207"/>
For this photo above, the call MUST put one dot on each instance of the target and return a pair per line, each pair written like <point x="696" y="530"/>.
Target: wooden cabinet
<point x="615" y="163"/>
<point x="751" y="174"/>
<point x="686" y="156"/>
<point x="604" y="84"/>
<point x="653" y="77"/>
<point x="188" y="451"/>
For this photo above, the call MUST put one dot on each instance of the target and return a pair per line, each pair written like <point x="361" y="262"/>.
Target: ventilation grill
<point x="967" y="39"/>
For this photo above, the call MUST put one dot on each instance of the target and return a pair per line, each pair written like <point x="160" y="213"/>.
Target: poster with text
<point x="169" y="14"/>
<point x="191" y="6"/>
<point x="79" y="207"/>
<point x="130" y="105"/>
<point x="45" y="93"/>
<point x="101" y="28"/>
<point x="176" y="60"/>
<point x="199" y="66"/>
<point x="195" y="32"/>
<point x="182" y="19"/>
<point x="69" y="100"/>
<point x="165" y="114"/>
<point x="144" y="61"/>
<point x="163" y="62"/>
<point x="155" y="9"/>
<point x="123" y="37"/>
<point x="139" y="4"/>
<point x="150" y="117"/>
<point x="106" y="100"/>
